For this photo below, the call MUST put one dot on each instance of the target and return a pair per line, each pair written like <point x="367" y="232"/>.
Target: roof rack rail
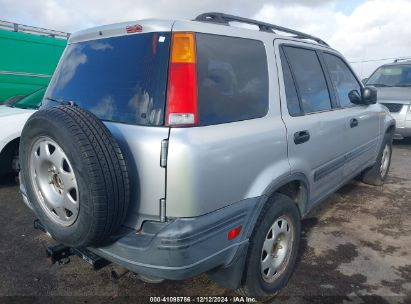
<point x="5" y="25"/>
<point x="402" y="59"/>
<point x="225" y="19"/>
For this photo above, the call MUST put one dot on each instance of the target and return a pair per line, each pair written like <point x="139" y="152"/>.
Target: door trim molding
<point x="342" y="160"/>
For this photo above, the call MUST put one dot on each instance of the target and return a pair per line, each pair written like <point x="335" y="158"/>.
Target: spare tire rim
<point x="277" y="248"/>
<point x="54" y="182"/>
<point x="385" y="160"/>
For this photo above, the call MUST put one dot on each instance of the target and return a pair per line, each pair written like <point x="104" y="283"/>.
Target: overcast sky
<point x="360" y="29"/>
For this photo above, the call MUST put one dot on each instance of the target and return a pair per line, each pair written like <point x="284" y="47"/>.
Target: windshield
<point x="12" y="100"/>
<point x="31" y="101"/>
<point x="121" y="79"/>
<point x="391" y="76"/>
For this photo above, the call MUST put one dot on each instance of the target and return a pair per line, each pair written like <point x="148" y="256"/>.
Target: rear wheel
<point x="377" y="174"/>
<point x="273" y="249"/>
<point x="15" y="162"/>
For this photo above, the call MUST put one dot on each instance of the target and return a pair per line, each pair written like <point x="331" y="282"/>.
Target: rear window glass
<point x="310" y="79"/>
<point x="293" y="103"/>
<point x="121" y="79"/>
<point x="232" y="77"/>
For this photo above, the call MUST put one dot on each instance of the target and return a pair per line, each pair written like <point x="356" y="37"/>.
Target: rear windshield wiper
<point x="62" y="101"/>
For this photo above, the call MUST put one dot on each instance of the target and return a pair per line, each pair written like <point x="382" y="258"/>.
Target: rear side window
<point x="310" y="79"/>
<point x="293" y="103"/>
<point x="121" y="79"/>
<point x="232" y="77"/>
<point x="342" y="78"/>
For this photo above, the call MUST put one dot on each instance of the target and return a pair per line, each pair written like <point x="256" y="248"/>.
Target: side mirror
<point x="369" y="95"/>
<point x="364" y="81"/>
<point x="355" y="97"/>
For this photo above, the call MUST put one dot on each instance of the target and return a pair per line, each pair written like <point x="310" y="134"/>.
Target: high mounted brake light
<point x="137" y="28"/>
<point x="182" y="82"/>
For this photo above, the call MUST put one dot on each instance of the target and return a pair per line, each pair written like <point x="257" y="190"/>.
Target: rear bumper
<point x="403" y="123"/>
<point x="185" y="247"/>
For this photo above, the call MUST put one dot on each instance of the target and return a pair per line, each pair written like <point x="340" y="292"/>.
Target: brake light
<point x="182" y="82"/>
<point x="137" y="28"/>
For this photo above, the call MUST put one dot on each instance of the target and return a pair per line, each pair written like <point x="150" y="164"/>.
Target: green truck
<point x="28" y="58"/>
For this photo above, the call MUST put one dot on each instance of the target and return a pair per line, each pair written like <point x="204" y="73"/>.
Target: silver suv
<point x="174" y="148"/>
<point x="393" y="82"/>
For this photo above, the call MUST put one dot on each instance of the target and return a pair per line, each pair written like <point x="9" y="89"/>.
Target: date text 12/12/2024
<point x="202" y="299"/>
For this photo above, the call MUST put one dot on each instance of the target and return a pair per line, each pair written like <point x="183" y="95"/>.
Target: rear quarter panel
<point x="214" y="166"/>
<point x="141" y="147"/>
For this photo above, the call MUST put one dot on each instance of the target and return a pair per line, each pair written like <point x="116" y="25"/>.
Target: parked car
<point x="393" y="82"/>
<point x="174" y="148"/>
<point x="28" y="58"/>
<point x="13" y="116"/>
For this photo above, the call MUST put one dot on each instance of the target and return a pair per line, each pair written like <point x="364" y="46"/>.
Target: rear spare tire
<point x="75" y="175"/>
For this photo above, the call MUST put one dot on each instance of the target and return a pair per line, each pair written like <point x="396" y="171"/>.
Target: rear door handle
<point x="353" y="122"/>
<point x="301" y="137"/>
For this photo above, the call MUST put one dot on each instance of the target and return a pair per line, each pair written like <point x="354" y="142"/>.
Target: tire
<point x="75" y="175"/>
<point x="375" y="175"/>
<point x="9" y="158"/>
<point x="255" y="283"/>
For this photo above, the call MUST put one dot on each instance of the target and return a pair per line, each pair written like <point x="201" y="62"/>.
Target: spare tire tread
<point x="109" y="167"/>
<point x="103" y="185"/>
<point x="114" y="150"/>
<point x="119" y="167"/>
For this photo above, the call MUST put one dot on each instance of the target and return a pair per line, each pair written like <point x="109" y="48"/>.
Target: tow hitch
<point x="61" y="253"/>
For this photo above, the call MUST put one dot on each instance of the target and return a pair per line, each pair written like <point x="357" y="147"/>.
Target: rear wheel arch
<point x="249" y="280"/>
<point x="295" y="186"/>
<point x="378" y="172"/>
<point x="7" y="154"/>
<point x="284" y="187"/>
<point x="292" y="189"/>
<point x="14" y="143"/>
<point x="390" y="129"/>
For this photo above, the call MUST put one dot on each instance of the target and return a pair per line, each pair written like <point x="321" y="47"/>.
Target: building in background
<point x="28" y="58"/>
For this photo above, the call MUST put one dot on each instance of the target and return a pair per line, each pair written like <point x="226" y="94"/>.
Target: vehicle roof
<point x="399" y="62"/>
<point x="119" y="29"/>
<point x="164" y="25"/>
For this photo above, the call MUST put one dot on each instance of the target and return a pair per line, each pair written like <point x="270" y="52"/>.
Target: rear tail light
<point x="182" y="82"/>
